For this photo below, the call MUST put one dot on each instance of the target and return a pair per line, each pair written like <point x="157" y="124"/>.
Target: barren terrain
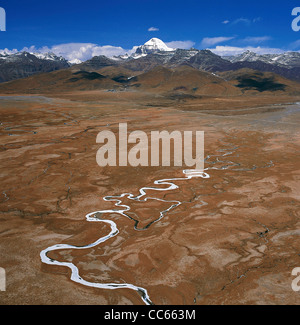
<point x="234" y="239"/>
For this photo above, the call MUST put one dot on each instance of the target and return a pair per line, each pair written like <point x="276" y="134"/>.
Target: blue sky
<point x="226" y="25"/>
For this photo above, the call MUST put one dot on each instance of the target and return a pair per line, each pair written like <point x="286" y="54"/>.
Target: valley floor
<point x="234" y="239"/>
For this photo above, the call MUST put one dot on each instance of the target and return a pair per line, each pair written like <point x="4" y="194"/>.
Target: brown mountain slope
<point x="184" y="79"/>
<point x="118" y="73"/>
<point x="59" y="81"/>
<point x="180" y="81"/>
<point x="95" y="63"/>
<point x="252" y="81"/>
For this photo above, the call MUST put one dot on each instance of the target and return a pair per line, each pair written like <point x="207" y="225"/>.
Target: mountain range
<point x="155" y="53"/>
<point x="24" y="64"/>
<point x="153" y="66"/>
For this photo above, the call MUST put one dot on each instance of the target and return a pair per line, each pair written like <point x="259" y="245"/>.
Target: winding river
<point x="161" y="185"/>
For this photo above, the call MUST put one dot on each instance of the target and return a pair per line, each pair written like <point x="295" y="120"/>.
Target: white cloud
<point x="80" y="52"/>
<point x="85" y="51"/>
<point x="153" y="29"/>
<point x="210" y="41"/>
<point x="7" y="51"/>
<point x="295" y="45"/>
<point x="257" y="39"/>
<point x="225" y="22"/>
<point x="77" y="52"/>
<point x="232" y="50"/>
<point x="246" y="21"/>
<point x="180" y="44"/>
<point x="255" y="20"/>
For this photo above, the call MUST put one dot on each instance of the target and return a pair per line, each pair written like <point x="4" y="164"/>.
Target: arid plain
<point x="234" y="239"/>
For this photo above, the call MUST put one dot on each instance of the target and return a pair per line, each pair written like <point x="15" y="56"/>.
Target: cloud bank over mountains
<point x="234" y="50"/>
<point x="80" y="52"/>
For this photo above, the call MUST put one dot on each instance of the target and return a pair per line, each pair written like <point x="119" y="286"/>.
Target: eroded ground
<point x="234" y="239"/>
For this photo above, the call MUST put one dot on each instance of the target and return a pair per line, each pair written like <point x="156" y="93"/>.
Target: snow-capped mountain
<point x="24" y="64"/>
<point x="20" y="55"/>
<point x="48" y="56"/>
<point x="291" y="59"/>
<point x="287" y="59"/>
<point x="154" y="45"/>
<point x="246" y="56"/>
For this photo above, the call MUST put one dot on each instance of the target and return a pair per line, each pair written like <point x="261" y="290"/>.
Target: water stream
<point x="122" y="209"/>
<point x="94" y="217"/>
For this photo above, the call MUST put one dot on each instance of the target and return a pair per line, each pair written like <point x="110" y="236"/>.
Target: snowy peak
<point x="48" y="56"/>
<point x="152" y="46"/>
<point x="287" y="59"/>
<point x="246" y="56"/>
<point x="31" y="55"/>
<point x="291" y="59"/>
<point x="25" y="64"/>
<point x="157" y="45"/>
